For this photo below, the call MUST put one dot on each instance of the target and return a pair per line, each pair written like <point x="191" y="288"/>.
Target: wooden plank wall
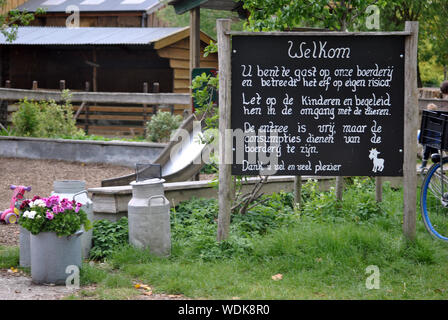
<point x="11" y="4"/>
<point x="101" y="20"/>
<point x="179" y="55"/>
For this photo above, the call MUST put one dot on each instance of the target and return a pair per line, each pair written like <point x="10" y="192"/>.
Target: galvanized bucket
<point x="76" y="190"/>
<point x="52" y="255"/>
<point x="25" y="254"/>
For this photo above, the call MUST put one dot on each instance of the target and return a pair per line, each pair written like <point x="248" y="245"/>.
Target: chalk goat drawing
<point x="378" y="163"/>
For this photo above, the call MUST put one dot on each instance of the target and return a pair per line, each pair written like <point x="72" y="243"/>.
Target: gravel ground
<point x="18" y="286"/>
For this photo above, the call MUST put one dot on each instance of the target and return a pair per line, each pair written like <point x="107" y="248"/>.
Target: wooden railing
<point x="106" y="113"/>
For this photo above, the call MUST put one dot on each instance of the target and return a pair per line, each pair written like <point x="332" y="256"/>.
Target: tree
<point x="436" y="31"/>
<point x="9" y="21"/>
<point x="286" y="14"/>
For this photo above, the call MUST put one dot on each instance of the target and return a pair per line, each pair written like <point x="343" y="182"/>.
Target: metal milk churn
<point x="149" y="217"/>
<point x="76" y="190"/>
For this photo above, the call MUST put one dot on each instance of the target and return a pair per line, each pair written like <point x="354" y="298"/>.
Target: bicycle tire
<point x="432" y="197"/>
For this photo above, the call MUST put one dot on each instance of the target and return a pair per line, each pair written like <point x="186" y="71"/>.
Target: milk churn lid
<point x="147" y="171"/>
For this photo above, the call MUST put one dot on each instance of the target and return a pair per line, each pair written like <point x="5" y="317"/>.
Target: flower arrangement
<point x="53" y="214"/>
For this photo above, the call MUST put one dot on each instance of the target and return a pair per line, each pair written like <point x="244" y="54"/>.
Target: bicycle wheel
<point x="434" y="201"/>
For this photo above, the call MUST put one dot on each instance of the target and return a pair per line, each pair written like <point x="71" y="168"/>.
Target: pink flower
<point x="57" y="209"/>
<point x="52" y="201"/>
<point x="66" y="204"/>
<point x="50" y="215"/>
<point x="78" y="206"/>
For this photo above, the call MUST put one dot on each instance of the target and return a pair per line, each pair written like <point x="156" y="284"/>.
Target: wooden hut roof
<point x="57" y="6"/>
<point x="158" y="37"/>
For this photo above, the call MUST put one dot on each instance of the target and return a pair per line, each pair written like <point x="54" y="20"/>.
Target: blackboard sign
<point x="325" y="106"/>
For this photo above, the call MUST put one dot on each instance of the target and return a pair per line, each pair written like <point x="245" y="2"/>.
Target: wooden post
<point x="298" y="191"/>
<point x="378" y="189"/>
<point x="155" y="89"/>
<point x="410" y="131"/>
<point x="195" y="41"/>
<point x="94" y="72"/>
<point x="62" y="85"/>
<point x="86" y="123"/>
<point x="339" y="188"/>
<point x="4" y="107"/>
<point x="145" y="118"/>
<point x="225" y="141"/>
<point x="35" y="86"/>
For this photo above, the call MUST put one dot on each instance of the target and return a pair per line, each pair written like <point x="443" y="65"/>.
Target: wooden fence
<point x="104" y="113"/>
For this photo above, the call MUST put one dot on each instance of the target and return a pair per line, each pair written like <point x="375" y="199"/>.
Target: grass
<point x="9" y="257"/>
<point x="317" y="261"/>
<point x="319" y="257"/>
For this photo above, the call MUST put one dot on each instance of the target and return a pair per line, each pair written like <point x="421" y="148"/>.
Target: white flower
<point x="26" y="214"/>
<point x="31" y="204"/>
<point x="39" y="203"/>
<point x="31" y="214"/>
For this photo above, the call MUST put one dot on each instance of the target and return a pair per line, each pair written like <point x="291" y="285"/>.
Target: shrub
<point x="358" y="205"/>
<point x="161" y="125"/>
<point x="108" y="236"/>
<point x="194" y="226"/>
<point x="26" y="119"/>
<point x="45" y="119"/>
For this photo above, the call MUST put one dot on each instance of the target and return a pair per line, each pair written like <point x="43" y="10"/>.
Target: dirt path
<point x="18" y="286"/>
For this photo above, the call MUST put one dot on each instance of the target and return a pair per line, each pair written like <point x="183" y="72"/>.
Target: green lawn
<point x="317" y="262"/>
<point x="320" y="256"/>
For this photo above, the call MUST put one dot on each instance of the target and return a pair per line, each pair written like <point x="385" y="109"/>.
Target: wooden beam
<point x="378" y="189"/>
<point x="184" y="64"/>
<point x="442" y="104"/>
<point x="195" y="40"/>
<point x="298" y="191"/>
<point x="319" y="33"/>
<point x="410" y="131"/>
<point x="164" y="42"/>
<point x="339" y="188"/>
<point x="225" y="140"/>
<point x="182" y="54"/>
<point x="99" y="97"/>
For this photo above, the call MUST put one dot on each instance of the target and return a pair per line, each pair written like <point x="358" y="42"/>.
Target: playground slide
<point x="181" y="167"/>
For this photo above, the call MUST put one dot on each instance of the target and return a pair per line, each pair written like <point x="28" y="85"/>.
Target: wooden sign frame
<point x="410" y="118"/>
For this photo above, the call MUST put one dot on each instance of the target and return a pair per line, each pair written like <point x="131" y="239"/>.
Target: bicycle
<point x="434" y="190"/>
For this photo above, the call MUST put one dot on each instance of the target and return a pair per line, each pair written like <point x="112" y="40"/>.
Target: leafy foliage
<point x="266" y="15"/>
<point x="204" y="87"/>
<point x="45" y="119"/>
<point x="26" y="119"/>
<point x="10" y="21"/>
<point x="108" y="236"/>
<point x="161" y="125"/>
<point x="194" y="224"/>
<point x="359" y="206"/>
